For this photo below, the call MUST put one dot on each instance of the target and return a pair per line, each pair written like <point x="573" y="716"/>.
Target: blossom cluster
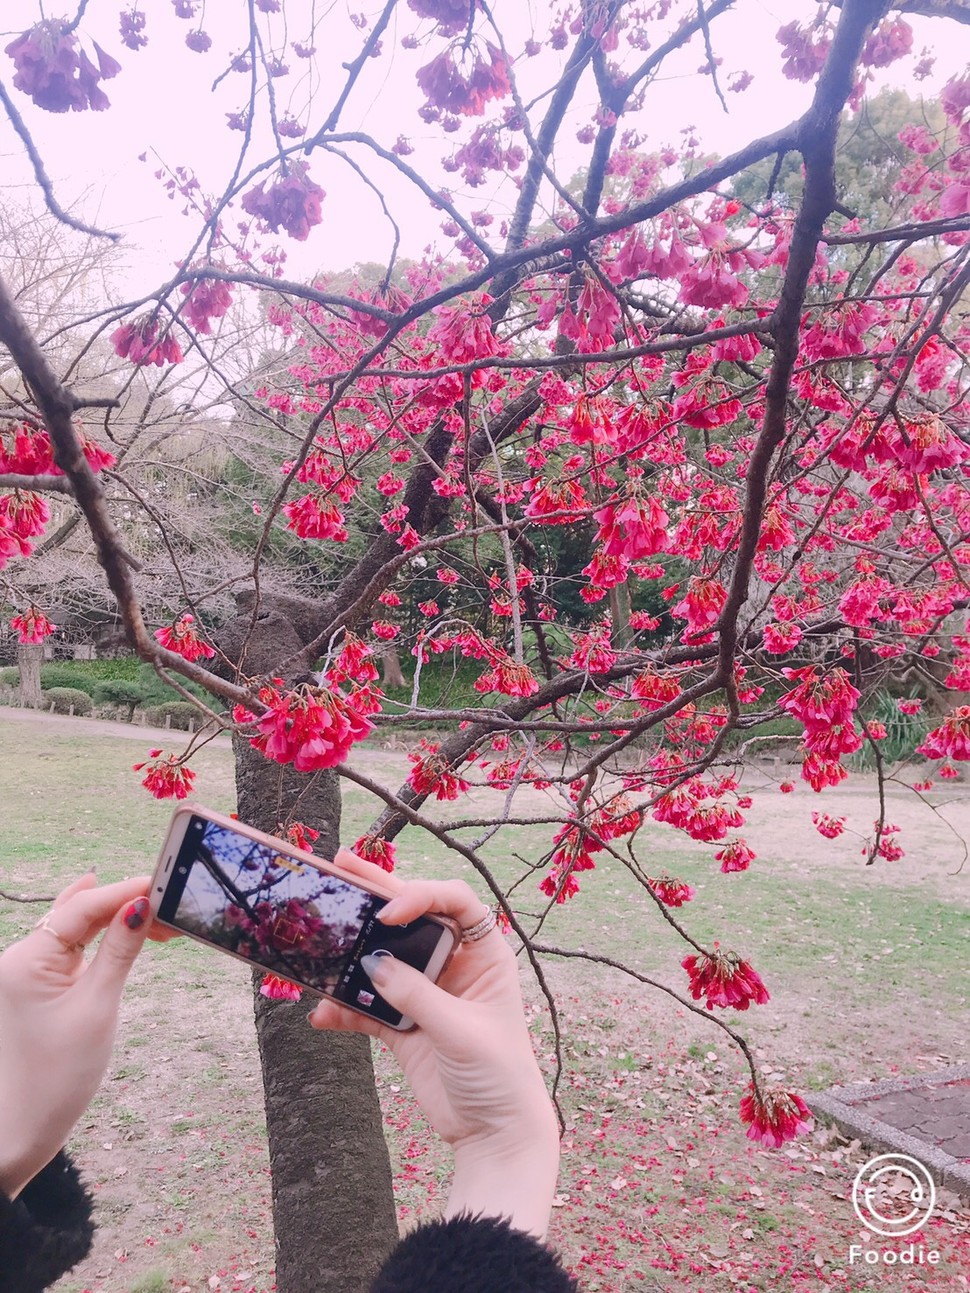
<point x="292" y="202"/>
<point x="167" y="776"/>
<point x="32" y="626"/>
<point x="725" y="980"/>
<point x="774" y="1116"/>
<point x="310" y="727"/>
<point x="57" y="74"/>
<point x="146" y="342"/>
<point x="182" y="637"/>
<point x="825" y="705"/>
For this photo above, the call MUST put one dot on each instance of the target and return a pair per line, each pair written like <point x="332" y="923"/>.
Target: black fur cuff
<point x="46" y="1230"/>
<point x="472" y="1255"/>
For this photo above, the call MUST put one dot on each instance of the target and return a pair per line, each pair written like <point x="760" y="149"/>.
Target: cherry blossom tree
<point x="666" y="454"/>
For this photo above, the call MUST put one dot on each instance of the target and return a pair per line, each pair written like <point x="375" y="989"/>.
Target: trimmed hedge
<point x="65" y="698"/>
<point x="129" y="695"/>
<point x="182" y="714"/>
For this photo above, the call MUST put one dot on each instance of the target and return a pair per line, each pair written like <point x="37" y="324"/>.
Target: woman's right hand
<point x="470" y="1061"/>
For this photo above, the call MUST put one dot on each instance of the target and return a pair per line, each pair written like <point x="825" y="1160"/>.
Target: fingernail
<point x="387" y="910"/>
<point x="137" y="913"/>
<point x="375" y="966"/>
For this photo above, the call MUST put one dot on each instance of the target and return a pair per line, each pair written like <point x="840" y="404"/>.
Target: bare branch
<point x="40" y="174"/>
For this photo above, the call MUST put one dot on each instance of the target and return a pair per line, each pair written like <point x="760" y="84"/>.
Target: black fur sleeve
<point x="472" y="1255"/>
<point x="46" y="1230"/>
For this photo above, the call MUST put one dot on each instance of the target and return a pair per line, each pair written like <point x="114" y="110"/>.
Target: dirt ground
<point x="660" y="1191"/>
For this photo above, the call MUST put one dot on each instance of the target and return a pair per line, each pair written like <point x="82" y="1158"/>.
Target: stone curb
<point x="840" y="1105"/>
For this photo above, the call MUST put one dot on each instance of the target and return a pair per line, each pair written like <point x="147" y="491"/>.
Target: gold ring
<point x="45" y="923"/>
<point x="482" y="927"/>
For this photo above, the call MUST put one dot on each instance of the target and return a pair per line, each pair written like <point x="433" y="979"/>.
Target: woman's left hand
<point x="58" y="1015"/>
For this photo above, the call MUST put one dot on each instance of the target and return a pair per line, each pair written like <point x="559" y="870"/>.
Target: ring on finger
<point x="472" y="933"/>
<point x="45" y="923"/>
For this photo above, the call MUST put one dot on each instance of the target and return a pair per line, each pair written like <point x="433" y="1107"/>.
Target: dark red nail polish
<point x="137" y="913"/>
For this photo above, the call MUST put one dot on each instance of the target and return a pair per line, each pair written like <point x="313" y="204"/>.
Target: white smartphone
<point x="271" y="904"/>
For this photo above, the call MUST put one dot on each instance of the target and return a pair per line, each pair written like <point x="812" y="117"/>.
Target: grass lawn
<point x="660" y="1190"/>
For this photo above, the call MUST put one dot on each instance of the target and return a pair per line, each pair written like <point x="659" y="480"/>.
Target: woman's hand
<point x="469" y="1062"/>
<point x="58" y="1015"/>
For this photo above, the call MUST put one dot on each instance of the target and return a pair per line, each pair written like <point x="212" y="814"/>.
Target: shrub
<point x="182" y="715"/>
<point x="10" y="676"/>
<point x="65" y="673"/>
<point x="158" y="692"/>
<point x="65" y="698"/>
<point x="903" y="733"/>
<point x="129" y="694"/>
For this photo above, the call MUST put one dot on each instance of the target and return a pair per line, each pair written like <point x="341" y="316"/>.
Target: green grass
<point x="72" y="802"/>
<point x="153" y="1282"/>
<point x="443" y="682"/>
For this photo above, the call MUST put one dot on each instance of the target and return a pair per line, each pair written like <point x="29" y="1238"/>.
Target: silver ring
<point x="482" y="927"/>
<point x="45" y="924"/>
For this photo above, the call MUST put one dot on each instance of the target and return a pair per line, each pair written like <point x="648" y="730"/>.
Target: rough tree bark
<point x="333" y="1201"/>
<point x="30" y="656"/>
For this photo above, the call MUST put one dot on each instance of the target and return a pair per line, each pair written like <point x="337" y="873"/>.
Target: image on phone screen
<point x="288" y="917"/>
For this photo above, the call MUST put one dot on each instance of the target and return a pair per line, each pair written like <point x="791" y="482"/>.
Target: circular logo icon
<point x="893" y="1195"/>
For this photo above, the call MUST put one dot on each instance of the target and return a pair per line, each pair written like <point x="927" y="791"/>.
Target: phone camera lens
<point x="183" y="870"/>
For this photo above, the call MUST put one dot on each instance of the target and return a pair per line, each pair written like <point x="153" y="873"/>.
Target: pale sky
<point x="163" y="102"/>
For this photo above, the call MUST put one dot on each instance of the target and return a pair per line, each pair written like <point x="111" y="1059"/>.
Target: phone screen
<point x="276" y="911"/>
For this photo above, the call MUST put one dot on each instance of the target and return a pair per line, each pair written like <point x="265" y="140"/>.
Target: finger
<point x="444" y="897"/>
<point x="123" y="940"/>
<point x="330" y="1016"/>
<point x="369" y="872"/>
<point x="85" y="913"/>
<point x="87" y="881"/>
<point x="437" y="1012"/>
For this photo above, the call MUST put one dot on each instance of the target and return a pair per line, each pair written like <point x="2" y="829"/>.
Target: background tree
<point x="740" y="444"/>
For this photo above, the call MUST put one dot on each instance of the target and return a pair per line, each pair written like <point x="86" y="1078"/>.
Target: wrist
<point x="26" y="1146"/>
<point x="511" y="1173"/>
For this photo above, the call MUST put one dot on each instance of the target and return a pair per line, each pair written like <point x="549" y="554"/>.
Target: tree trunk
<point x="333" y="1200"/>
<point x="391" y="664"/>
<point x="619" y="601"/>
<point x="30" y="656"/>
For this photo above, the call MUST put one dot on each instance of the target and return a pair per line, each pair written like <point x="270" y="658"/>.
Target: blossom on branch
<point x="951" y="740"/>
<point x="167" y="776"/>
<point x="671" y="892"/>
<point x="23" y="516"/>
<point x="182" y="637"/>
<point x="132" y="29"/>
<point x="702" y="603"/>
<point x="32" y="626"/>
<point x="735" y="856"/>
<point x="310" y="727"/>
<point x="460" y="80"/>
<point x="432" y="773"/>
<point x="376" y="849"/>
<point x="56" y="73"/>
<point x="292" y="202"/>
<point x="451" y="16"/>
<point x="205" y="299"/>
<point x="142" y="343"/>
<point x="634" y="528"/>
<point x="724" y="979"/>
<point x="774" y="1116"/>
<point x="315" y="516"/>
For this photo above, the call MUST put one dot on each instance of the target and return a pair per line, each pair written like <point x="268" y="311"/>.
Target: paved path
<point x="926" y="1116"/>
